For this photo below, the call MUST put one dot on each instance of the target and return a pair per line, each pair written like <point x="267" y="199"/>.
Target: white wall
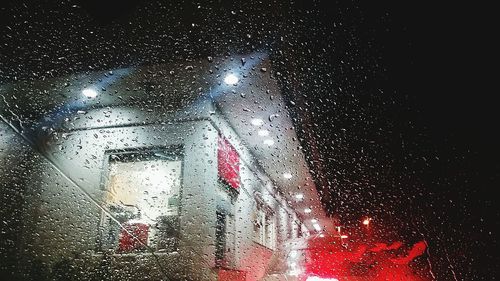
<point x="67" y="192"/>
<point x="251" y="256"/>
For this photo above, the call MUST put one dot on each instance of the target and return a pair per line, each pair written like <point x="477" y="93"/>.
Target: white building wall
<point x="71" y="194"/>
<point x="250" y="255"/>
<point x="65" y="216"/>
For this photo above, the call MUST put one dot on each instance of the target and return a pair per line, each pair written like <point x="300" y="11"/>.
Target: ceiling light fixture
<point x="257" y="122"/>
<point x="263" y="133"/>
<point x="89" y="93"/>
<point x="317" y="227"/>
<point x="269" y="142"/>
<point x="231" y="79"/>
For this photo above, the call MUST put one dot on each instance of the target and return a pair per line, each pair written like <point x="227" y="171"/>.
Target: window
<point x="264" y="224"/>
<point x="220" y="238"/>
<point x="142" y="191"/>
<point x="270" y="230"/>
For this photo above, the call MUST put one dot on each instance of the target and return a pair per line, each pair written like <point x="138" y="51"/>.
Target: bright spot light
<point x="89" y="93"/>
<point x="366" y="221"/>
<point x="344" y="236"/>
<point x="314" y="220"/>
<point x="263" y="133"/>
<point x="321" y="235"/>
<point x="316" y="278"/>
<point x="307" y="210"/>
<point x="317" y="227"/>
<point x="299" y="196"/>
<point x="231" y="79"/>
<point x="257" y="122"/>
<point x="269" y="142"/>
<point x="287" y="175"/>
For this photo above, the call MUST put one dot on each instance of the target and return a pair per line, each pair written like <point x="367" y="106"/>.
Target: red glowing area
<point x="316" y="278"/>
<point x="330" y="259"/>
<point x="383" y="246"/>
<point x="327" y="258"/>
<point x="231" y="275"/>
<point x="417" y="250"/>
<point x="134" y="236"/>
<point x="396" y="273"/>
<point x="228" y="163"/>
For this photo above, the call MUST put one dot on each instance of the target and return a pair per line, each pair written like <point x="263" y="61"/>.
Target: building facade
<point x="183" y="171"/>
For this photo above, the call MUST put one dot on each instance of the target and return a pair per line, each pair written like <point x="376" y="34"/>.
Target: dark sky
<point x="439" y="64"/>
<point x="399" y="100"/>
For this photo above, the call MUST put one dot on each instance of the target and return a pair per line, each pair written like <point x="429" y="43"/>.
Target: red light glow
<point x="316" y="278"/>
<point x="326" y="259"/>
<point x="228" y="162"/>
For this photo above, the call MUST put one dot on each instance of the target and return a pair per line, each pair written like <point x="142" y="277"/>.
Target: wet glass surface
<point x="262" y="140"/>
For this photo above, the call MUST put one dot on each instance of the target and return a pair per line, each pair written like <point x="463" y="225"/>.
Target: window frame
<point x="262" y="214"/>
<point x="174" y="152"/>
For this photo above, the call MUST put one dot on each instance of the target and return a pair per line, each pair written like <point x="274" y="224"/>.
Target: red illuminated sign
<point x="228" y="163"/>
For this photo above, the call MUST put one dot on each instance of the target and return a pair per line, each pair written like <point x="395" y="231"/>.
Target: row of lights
<point x="262" y="132"/>
<point x="258" y="122"/>
<point x="317" y="227"/>
<point x="232" y="79"/>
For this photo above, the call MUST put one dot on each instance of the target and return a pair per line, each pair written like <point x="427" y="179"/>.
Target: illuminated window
<point x="142" y="193"/>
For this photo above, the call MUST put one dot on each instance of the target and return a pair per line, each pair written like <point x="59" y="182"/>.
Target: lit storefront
<point x="189" y="170"/>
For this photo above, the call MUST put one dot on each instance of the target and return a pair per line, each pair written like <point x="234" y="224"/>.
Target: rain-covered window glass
<point x="247" y="140"/>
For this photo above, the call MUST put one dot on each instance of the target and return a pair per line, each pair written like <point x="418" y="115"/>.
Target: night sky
<point x="399" y="117"/>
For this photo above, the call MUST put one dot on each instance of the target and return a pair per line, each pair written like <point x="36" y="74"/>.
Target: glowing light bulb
<point x="269" y="142"/>
<point x="263" y="133"/>
<point x="231" y="79"/>
<point x="89" y="93"/>
<point x="299" y="196"/>
<point x="257" y="122"/>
